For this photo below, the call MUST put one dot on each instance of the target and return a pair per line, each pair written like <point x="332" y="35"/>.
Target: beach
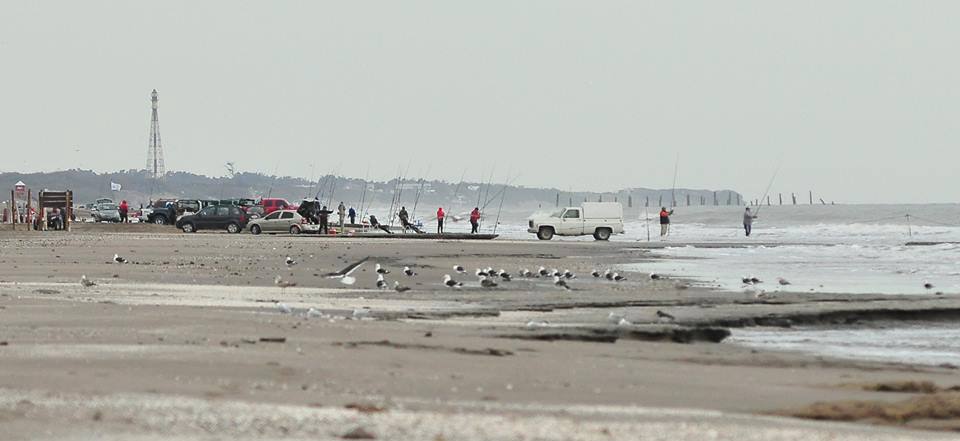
<point x="191" y="339"/>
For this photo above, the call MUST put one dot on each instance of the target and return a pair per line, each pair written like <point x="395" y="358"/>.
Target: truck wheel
<point x="602" y="234"/>
<point x="255" y="229"/>
<point x="233" y="228"/>
<point x="188" y="228"/>
<point x="294" y="229"/>
<point x="545" y="233"/>
<point x="160" y="220"/>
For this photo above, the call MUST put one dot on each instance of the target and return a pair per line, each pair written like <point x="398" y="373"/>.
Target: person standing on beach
<point x="352" y="214"/>
<point x="475" y="220"/>
<point x="123" y="209"/>
<point x="342" y="213"/>
<point x="748" y="218"/>
<point x="665" y="221"/>
<point x="324" y="220"/>
<point x="440" y="216"/>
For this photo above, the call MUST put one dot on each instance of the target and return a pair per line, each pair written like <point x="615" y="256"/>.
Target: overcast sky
<point x="858" y="99"/>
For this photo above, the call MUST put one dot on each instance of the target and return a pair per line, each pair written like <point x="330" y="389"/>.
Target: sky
<point x="855" y="100"/>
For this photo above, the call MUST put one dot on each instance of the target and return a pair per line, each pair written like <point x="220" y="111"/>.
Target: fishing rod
<point x="497" y="194"/>
<point x="673" y="192"/>
<point x="456" y="192"/>
<point x="767" y="191"/>
<point x="273" y="179"/>
<point x="503" y="195"/>
<point x="363" y="194"/>
<point x="416" y="201"/>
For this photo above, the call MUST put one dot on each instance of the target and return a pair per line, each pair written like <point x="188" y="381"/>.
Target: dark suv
<point x="214" y="217"/>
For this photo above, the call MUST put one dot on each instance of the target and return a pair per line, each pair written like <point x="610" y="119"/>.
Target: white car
<point x="280" y="221"/>
<point x="601" y="219"/>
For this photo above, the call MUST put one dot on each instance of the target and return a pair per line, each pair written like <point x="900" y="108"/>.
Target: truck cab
<point x="600" y="219"/>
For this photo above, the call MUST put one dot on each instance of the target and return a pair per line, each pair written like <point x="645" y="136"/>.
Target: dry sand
<point x="170" y="345"/>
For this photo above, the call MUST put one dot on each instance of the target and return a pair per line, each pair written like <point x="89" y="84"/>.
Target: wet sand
<point x="192" y="340"/>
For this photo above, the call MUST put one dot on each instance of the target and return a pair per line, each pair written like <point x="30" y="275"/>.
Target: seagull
<point x="537" y="324"/>
<point x="382" y="270"/>
<point x="569" y="275"/>
<point x="655" y="276"/>
<point x="382" y="284"/>
<point x="505" y="275"/>
<point x="409" y="272"/>
<point x="359" y="314"/>
<point x="283" y="283"/>
<point x="290" y="261"/>
<point x="344" y="274"/>
<point x="118" y="259"/>
<point x="928" y="285"/>
<point x="608" y="275"/>
<point x="283" y="308"/>
<point x="596" y="273"/>
<point x="783" y="281"/>
<point x="664" y="317"/>
<point x="555" y="272"/>
<point x="487" y="282"/>
<point x="85" y="282"/>
<point x="398" y="288"/>
<point x="614" y="317"/>
<point x="526" y="273"/>
<point x="624" y="322"/>
<point x="755" y="280"/>
<point x="459" y="269"/>
<point x="560" y="283"/>
<point x="481" y="273"/>
<point x="450" y="283"/>
<point x="745" y="280"/>
<point x="542" y="271"/>
<point x="618" y="278"/>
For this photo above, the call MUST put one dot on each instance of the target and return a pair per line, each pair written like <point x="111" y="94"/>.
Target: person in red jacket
<point x="475" y="220"/>
<point x="123" y="209"/>
<point x="440" y="216"/>
<point x="665" y="221"/>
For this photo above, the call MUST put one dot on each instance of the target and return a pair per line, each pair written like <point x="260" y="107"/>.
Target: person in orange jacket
<point x="475" y="220"/>
<point x="440" y="216"/>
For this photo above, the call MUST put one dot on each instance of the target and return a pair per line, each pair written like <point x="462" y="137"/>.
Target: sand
<point x="170" y="345"/>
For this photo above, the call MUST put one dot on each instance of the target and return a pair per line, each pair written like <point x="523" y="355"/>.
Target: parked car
<point x="280" y="221"/>
<point x="273" y="204"/>
<point x="106" y="212"/>
<point x="161" y="212"/>
<point x="214" y="217"/>
<point x="255" y="212"/>
<point x="601" y="219"/>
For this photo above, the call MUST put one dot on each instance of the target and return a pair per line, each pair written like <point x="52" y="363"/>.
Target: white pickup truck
<point x="601" y="219"/>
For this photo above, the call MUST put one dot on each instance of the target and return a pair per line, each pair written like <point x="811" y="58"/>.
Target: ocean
<point x="854" y="249"/>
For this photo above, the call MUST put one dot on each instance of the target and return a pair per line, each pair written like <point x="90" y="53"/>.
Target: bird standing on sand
<point x="596" y="273"/>
<point x="459" y="269"/>
<point x="398" y="288"/>
<point x="450" y="283"/>
<point x="928" y="285"/>
<point x="618" y="278"/>
<point x="283" y="283"/>
<point x="560" y="283"/>
<point x="608" y="274"/>
<point x="664" y="317"/>
<point x="118" y="259"/>
<point x="569" y="275"/>
<point x="85" y="282"/>
<point x="290" y="261"/>
<point x="283" y="308"/>
<point x="526" y="273"/>
<point x="382" y="270"/>
<point x="487" y="282"/>
<point x="655" y="276"/>
<point x="505" y="275"/>
<point x="382" y="284"/>
<point x="783" y="281"/>
<point x="408" y="272"/>
<point x="543" y="272"/>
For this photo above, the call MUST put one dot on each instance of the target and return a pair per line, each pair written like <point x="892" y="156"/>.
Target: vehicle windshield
<point x="557" y="214"/>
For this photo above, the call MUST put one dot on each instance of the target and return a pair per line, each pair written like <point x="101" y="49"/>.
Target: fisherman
<point x="405" y="221"/>
<point x="440" y="216"/>
<point x="352" y="214"/>
<point x="475" y="220"/>
<point x="324" y="220"/>
<point x="342" y="213"/>
<point x="748" y="218"/>
<point x="664" y="221"/>
<point x="375" y="224"/>
<point x="123" y="209"/>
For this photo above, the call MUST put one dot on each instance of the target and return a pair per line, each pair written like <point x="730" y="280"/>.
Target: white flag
<point x="114" y="186"/>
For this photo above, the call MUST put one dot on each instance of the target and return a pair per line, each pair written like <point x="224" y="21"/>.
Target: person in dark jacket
<point x="405" y="220"/>
<point x="375" y="224"/>
<point x="352" y="214"/>
<point x="665" y="221"/>
<point x="324" y="220"/>
<point x="748" y="218"/>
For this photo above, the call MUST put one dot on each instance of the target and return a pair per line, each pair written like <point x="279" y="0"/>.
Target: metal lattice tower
<point x="155" y="148"/>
